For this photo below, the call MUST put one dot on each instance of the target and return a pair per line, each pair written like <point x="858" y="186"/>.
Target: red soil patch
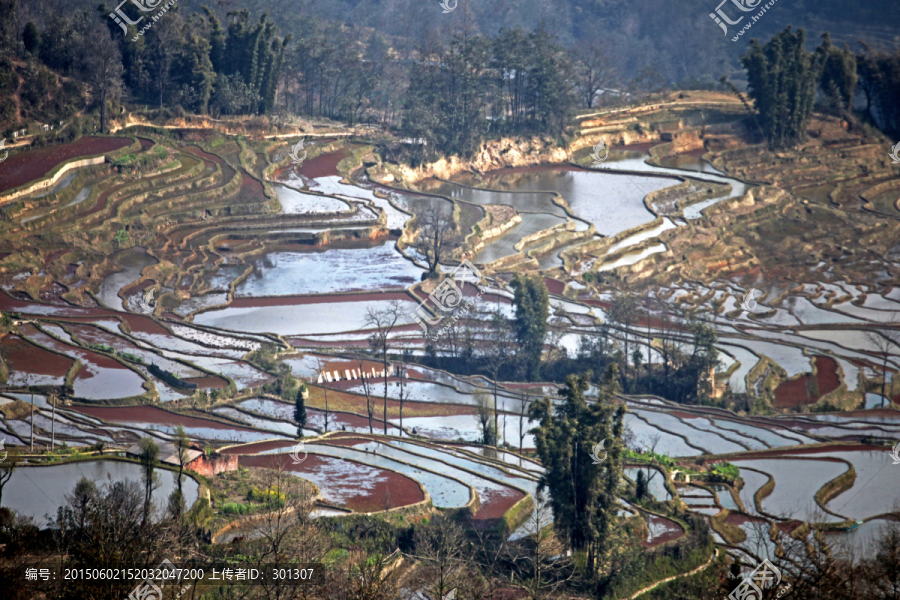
<point x="213" y="383"/>
<point x="150" y="414"/>
<point x="139" y="288"/>
<point x="683" y="415"/>
<point x="662" y="530"/>
<point x="251" y="189"/>
<point x="794" y="393"/>
<point x="208" y="159"/>
<point x="554" y="286"/>
<point x="386" y="488"/>
<point x="323" y="299"/>
<point x="495" y="506"/>
<point x="827" y="378"/>
<point x="737" y="519"/>
<point x="257" y="447"/>
<point x="144" y="324"/>
<point x="34" y="164"/>
<point x="324" y="165"/>
<point x="23" y="356"/>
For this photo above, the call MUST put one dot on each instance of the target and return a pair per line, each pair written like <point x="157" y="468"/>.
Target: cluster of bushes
<point x="101" y="348"/>
<point x="233" y="508"/>
<point x="141" y="161"/>
<point x="130" y="357"/>
<point x="270" y="497"/>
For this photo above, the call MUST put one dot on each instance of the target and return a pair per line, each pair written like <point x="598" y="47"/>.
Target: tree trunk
<point x="385" y="387"/>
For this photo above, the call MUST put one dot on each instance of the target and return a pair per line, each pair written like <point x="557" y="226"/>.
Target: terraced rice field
<point x="225" y="276"/>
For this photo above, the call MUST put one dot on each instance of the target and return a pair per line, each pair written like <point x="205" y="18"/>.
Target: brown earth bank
<point x="782" y="453"/>
<point x="10" y="304"/>
<point x="257" y="447"/>
<point x="150" y="414"/>
<point x="323" y="299"/>
<point x="27" y="166"/>
<point x="387" y="489"/>
<point x="494" y="506"/>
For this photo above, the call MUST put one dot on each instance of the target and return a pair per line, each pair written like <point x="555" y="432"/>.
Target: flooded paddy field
<point x="329" y="270"/>
<point x="348" y="484"/>
<point x="39" y="491"/>
<point x="222" y="300"/>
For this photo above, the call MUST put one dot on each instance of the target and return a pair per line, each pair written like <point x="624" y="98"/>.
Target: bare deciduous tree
<point x="436" y="236"/>
<point x="383" y="321"/>
<point x="485" y="416"/>
<point x="370" y="402"/>
<point x="321" y="366"/>
<point x="886" y="341"/>
<point x="441" y="552"/>
<point x="595" y="72"/>
<point x="103" y="70"/>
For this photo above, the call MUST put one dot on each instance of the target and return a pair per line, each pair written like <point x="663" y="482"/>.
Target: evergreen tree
<point x="532" y="305"/>
<point x="782" y="78"/>
<point x="31" y="38"/>
<point x="583" y="492"/>
<point x="879" y="79"/>
<point x="640" y="488"/>
<point x="300" y="411"/>
<point x="838" y="73"/>
<point x="216" y="41"/>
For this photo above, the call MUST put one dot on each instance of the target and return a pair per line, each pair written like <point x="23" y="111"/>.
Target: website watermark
<point x="449" y="300"/>
<point x="449" y="5"/>
<point x="722" y="20"/>
<point x="748" y="303"/>
<point x="600" y="153"/>
<point x="295" y="452"/>
<point x="5" y="453"/>
<point x="5" y="152"/>
<point x="296" y="158"/>
<point x="145" y="6"/>
<point x="894" y="154"/>
<point x="148" y="588"/>
<point x="765" y="576"/>
<point x="895" y="454"/>
<point x="595" y="452"/>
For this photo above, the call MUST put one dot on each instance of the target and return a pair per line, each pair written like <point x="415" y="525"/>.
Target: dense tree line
<point x="472" y="86"/>
<point x="784" y="81"/>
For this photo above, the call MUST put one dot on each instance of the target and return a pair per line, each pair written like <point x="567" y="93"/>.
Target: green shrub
<point x="233" y="508"/>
